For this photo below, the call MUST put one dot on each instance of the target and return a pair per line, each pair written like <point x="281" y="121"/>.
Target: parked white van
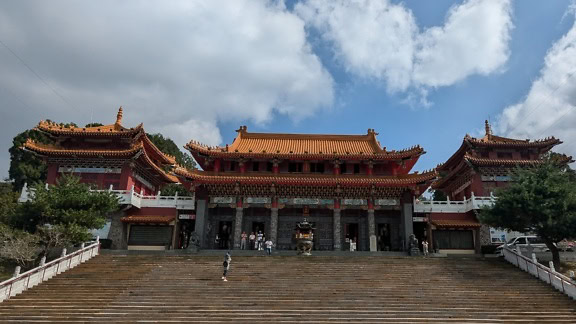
<point x="536" y="243"/>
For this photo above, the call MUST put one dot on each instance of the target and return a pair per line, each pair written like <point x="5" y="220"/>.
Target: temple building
<point x="348" y="186"/>
<point x="123" y="160"/>
<point x="469" y="178"/>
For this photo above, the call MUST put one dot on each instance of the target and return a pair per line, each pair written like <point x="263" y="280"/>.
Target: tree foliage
<point x="167" y="146"/>
<point x="539" y="200"/>
<point x="173" y="188"/>
<point x="93" y="125"/>
<point x="70" y="206"/>
<point x="18" y="246"/>
<point x="25" y="166"/>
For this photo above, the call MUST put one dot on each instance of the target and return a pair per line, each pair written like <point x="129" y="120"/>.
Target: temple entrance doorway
<point x="383" y="237"/>
<point x="420" y="232"/>
<point x="224" y="235"/>
<point x="351" y="236"/>
<point x="258" y="226"/>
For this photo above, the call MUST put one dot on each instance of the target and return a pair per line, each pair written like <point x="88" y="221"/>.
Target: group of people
<point x="256" y="242"/>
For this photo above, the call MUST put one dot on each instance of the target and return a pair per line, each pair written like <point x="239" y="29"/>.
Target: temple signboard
<point x="257" y="200"/>
<point x="305" y="201"/>
<point x="354" y="202"/>
<point x="222" y="200"/>
<point x="386" y="202"/>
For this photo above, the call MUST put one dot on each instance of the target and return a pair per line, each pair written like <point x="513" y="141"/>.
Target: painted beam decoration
<point x="305" y="201"/>
<point x="354" y="202"/>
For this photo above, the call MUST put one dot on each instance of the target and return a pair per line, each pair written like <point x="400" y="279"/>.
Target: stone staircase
<point x="318" y="289"/>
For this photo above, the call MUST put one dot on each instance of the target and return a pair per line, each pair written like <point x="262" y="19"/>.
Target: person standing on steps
<point x="252" y="240"/>
<point x="260" y="238"/>
<point x="243" y="241"/>
<point x="425" y="247"/>
<point x="269" y="245"/>
<point x="226" y="266"/>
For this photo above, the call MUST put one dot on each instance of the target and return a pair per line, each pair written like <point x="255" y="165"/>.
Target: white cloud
<point x="549" y="109"/>
<point x="381" y="40"/>
<point x="178" y="66"/>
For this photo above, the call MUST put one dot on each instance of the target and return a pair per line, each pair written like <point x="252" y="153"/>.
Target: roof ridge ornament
<point x="119" y="117"/>
<point x="487" y="129"/>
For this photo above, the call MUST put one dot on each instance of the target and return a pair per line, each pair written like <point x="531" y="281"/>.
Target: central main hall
<point x="349" y="187"/>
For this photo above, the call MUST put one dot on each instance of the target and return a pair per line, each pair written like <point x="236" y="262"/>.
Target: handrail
<point x="546" y="274"/>
<point x="31" y="278"/>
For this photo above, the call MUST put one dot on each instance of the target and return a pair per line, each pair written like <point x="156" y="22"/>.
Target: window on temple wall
<point x="317" y="167"/>
<point x="255" y="166"/>
<point x="484" y="155"/>
<point x="343" y="168"/>
<point x="233" y="165"/>
<point x="269" y="167"/>
<point x="505" y="155"/>
<point x="356" y="168"/>
<point x="525" y="155"/>
<point x="295" y="167"/>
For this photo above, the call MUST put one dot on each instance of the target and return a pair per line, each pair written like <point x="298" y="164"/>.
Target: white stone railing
<point x="546" y="274"/>
<point x="31" y="278"/>
<point x="131" y="197"/>
<point x="453" y="206"/>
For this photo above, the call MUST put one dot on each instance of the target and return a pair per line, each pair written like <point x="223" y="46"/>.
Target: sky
<point x="419" y="72"/>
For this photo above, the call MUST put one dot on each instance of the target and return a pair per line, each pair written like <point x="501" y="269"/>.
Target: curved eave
<point x="545" y="143"/>
<point x="481" y="162"/>
<point x="440" y="183"/>
<point x="46" y="150"/>
<point x="309" y="180"/>
<point x="163" y="174"/>
<point x="163" y="157"/>
<point x="220" y="152"/>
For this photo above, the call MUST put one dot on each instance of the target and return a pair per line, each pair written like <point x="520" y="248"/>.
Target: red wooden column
<point x="217" y="165"/>
<point x="242" y="165"/>
<point x="275" y="166"/>
<point x="370" y="168"/>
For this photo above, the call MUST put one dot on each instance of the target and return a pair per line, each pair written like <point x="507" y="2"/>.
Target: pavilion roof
<point x="306" y="179"/>
<point x="489" y="140"/>
<point x="115" y="129"/>
<point x="305" y="146"/>
<point x="55" y="150"/>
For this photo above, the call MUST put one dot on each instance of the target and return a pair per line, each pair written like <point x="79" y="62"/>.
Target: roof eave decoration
<point x="115" y="129"/>
<point x="51" y="150"/>
<point x="308" y="179"/>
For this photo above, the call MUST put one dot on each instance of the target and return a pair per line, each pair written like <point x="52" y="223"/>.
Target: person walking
<point x="425" y="247"/>
<point x="243" y="241"/>
<point x="226" y="266"/>
<point x="269" y="245"/>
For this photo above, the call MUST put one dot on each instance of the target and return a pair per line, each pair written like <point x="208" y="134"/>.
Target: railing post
<point x="16" y="272"/>
<point x="111" y="188"/>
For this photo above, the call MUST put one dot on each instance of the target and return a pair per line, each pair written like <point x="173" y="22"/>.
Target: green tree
<point x="167" y="146"/>
<point x="93" y="125"/>
<point x="18" y="246"/>
<point x="438" y="195"/>
<point x="69" y="206"/>
<point x="173" y="188"/>
<point x="8" y="205"/>
<point x="539" y="200"/>
<point x="25" y="166"/>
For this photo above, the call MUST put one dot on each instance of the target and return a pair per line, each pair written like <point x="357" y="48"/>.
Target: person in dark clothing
<point x="226" y="266"/>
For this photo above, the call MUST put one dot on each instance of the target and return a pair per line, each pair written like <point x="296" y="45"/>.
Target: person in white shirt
<point x="269" y="245"/>
<point x="260" y="241"/>
<point x="425" y="247"/>
<point x="252" y="238"/>
<point x="243" y="241"/>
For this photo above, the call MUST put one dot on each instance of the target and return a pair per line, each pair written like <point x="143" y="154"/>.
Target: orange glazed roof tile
<point x="306" y="179"/>
<point x="148" y="219"/>
<point x="454" y="223"/>
<point x="115" y="129"/>
<point x="307" y="146"/>
<point x="52" y="150"/>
